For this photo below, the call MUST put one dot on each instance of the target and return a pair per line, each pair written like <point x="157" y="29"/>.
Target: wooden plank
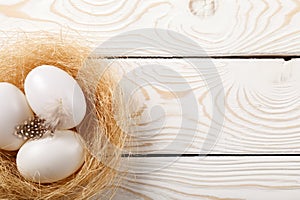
<point x="211" y="178"/>
<point x="219" y="27"/>
<point x="261" y="110"/>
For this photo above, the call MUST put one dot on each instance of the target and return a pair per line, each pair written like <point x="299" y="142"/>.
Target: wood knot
<point x="203" y="8"/>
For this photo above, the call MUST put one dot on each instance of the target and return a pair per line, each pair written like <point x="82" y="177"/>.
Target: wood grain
<point x="219" y="27"/>
<point x="212" y="178"/>
<point x="261" y="110"/>
<point x="261" y="102"/>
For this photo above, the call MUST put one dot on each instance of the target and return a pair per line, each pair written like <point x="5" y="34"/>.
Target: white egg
<point x="14" y="110"/>
<point x="53" y="94"/>
<point x="51" y="158"/>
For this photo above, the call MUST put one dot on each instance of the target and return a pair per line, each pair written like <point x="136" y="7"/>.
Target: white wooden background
<point x="257" y="153"/>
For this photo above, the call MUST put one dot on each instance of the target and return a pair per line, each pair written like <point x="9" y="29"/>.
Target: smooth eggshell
<point x="51" y="158"/>
<point x="50" y="90"/>
<point x="14" y="110"/>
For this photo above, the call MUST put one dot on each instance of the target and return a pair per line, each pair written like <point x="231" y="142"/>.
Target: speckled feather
<point x="32" y="128"/>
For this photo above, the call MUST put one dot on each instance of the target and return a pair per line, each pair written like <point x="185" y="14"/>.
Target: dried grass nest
<point x="99" y="171"/>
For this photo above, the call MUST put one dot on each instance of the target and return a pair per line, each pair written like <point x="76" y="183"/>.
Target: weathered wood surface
<point x="212" y="178"/>
<point x="220" y="27"/>
<point x="261" y="96"/>
<point x="261" y="110"/>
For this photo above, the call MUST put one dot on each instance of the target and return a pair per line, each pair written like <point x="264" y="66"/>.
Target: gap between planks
<point x="284" y="57"/>
<point x="209" y="155"/>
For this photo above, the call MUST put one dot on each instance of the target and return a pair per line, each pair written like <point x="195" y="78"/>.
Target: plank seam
<point x="285" y="58"/>
<point x="211" y="155"/>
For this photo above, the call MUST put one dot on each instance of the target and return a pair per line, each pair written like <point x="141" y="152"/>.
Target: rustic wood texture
<point x="220" y="27"/>
<point x="261" y="112"/>
<point x="212" y="178"/>
<point x="261" y="96"/>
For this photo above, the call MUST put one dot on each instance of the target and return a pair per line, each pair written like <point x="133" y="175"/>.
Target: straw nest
<point x="103" y="138"/>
